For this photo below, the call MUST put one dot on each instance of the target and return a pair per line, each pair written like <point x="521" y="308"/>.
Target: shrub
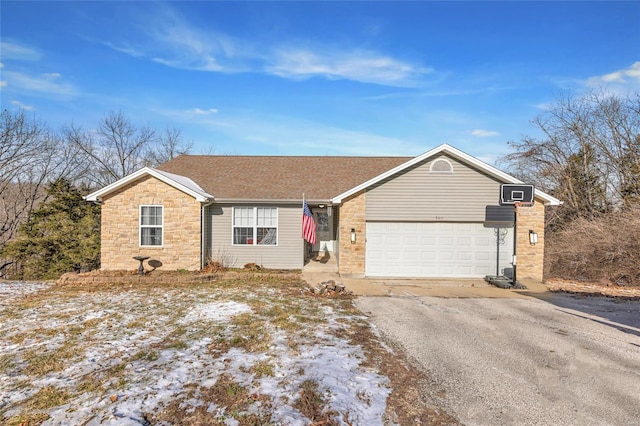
<point x="602" y="248"/>
<point x="62" y="235"/>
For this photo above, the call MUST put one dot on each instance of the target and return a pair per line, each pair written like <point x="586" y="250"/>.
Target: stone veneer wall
<point x="121" y="234"/>
<point x="352" y="256"/>
<point x="530" y="262"/>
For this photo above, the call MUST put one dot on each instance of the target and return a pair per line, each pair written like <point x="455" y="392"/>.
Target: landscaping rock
<point x="330" y="289"/>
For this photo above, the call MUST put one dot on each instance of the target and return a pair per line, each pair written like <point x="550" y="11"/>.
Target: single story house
<point x="422" y="216"/>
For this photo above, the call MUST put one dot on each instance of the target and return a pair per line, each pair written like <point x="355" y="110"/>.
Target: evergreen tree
<point x="62" y="235"/>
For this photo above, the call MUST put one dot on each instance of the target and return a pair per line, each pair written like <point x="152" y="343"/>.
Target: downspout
<point x="202" y="236"/>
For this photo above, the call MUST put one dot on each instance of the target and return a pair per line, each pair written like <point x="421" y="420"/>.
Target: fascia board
<point x="270" y="201"/>
<point x="456" y="153"/>
<point x="95" y="196"/>
<point x="549" y="200"/>
<point x="173" y="179"/>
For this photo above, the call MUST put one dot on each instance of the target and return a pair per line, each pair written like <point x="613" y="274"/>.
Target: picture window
<point x="255" y="226"/>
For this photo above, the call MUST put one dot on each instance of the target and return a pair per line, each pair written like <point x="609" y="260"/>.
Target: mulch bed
<point x="593" y="289"/>
<point x="160" y="277"/>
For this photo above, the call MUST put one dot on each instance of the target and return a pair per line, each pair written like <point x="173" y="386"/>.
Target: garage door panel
<point x="433" y="250"/>
<point x="483" y="256"/>
<point x="429" y="255"/>
<point x="375" y="239"/>
<point x="410" y="240"/>
<point x="465" y="256"/>
<point x="446" y="227"/>
<point x="429" y="241"/>
<point x="484" y="242"/>
<point x="392" y="240"/>
<point x="447" y="255"/>
<point x="464" y="241"/>
<point x="446" y="241"/>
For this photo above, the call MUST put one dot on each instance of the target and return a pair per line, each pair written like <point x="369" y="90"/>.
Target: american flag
<point x="308" y="225"/>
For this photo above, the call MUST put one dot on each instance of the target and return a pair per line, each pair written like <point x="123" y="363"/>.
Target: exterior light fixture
<point x="533" y="237"/>
<point x="353" y="235"/>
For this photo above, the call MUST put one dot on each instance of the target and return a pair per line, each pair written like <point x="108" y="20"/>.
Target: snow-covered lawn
<point x="249" y="351"/>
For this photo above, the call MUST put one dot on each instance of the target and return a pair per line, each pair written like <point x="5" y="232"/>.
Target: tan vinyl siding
<point x="421" y="195"/>
<point x="287" y="254"/>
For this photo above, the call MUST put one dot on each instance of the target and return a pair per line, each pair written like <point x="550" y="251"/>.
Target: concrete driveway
<point x="526" y="358"/>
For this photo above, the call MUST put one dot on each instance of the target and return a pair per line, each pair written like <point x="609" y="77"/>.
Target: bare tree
<point x="30" y="157"/>
<point x="589" y="155"/>
<point x="118" y="148"/>
<point x="115" y="149"/>
<point x="169" y="145"/>
<point x="21" y="142"/>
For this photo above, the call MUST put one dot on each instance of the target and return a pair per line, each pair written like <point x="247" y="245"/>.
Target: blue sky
<point x="316" y="78"/>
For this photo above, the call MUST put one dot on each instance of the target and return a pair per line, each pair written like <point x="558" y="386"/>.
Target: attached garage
<point x="411" y="250"/>
<point x="426" y="219"/>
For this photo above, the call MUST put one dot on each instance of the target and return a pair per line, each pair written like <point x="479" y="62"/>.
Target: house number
<point x="439" y="217"/>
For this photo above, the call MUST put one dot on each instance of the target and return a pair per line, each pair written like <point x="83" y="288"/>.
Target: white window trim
<point x="140" y="226"/>
<point x="450" y="171"/>
<point x="255" y="226"/>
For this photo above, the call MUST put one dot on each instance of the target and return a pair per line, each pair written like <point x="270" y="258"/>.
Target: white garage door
<point x="434" y="250"/>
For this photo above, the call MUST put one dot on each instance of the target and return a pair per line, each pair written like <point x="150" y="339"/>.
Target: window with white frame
<point x="255" y="226"/>
<point x="151" y="227"/>
<point x="441" y="165"/>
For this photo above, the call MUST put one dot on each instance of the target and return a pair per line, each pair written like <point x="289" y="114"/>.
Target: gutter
<point x="202" y="229"/>
<point x="254" y="201"/>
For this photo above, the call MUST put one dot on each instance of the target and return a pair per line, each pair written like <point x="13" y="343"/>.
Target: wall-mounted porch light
<point x="533" y="237"/>
<point x="353" y="235"/>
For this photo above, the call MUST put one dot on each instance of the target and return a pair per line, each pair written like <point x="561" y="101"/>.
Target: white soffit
<point x="181" y="183"/>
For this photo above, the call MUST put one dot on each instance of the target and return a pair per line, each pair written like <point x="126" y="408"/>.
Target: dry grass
<point x="110" y="340"/>
<point x="407" y="403"/>
<point x="606" y="248"/>
<point x="311" y="403"/>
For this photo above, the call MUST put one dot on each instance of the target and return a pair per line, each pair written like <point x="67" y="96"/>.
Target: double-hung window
<point x="255" y="226"/>
<point x="151" y="225"/>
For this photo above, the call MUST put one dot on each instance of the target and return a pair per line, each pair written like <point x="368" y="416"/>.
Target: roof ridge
<point x="291" y="156"/>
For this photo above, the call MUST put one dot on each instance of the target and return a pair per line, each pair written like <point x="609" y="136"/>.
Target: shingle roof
<point x="278" y="178"/>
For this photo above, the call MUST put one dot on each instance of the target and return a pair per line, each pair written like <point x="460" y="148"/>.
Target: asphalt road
<point x="566" y="360"/>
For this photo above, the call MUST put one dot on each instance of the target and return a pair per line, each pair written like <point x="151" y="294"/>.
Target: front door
<point x="324" y="230"/>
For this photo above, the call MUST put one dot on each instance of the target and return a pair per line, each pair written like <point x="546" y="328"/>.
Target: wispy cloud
<point x="481" y="133"/>
<point x="169" y="39"/>
<point x="198" y="111"/>
<point x="3" y="83"/>
<point x="357" y="65"/>
<point x="23" y="106"/>
<point x="126" y="49"/>
<point x="16" y="51"/>
<point x="626" y="79"/>
<point x="543" y="106"/>
<point x="42" y="83"/>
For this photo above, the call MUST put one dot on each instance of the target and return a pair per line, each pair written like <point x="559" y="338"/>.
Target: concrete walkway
<point x="454" y="288"/>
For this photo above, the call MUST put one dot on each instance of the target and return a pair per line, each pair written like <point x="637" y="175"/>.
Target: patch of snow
<point x="128" y="331"/>
<point x="10" y="290"/>
<point x="216" y="311"/>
